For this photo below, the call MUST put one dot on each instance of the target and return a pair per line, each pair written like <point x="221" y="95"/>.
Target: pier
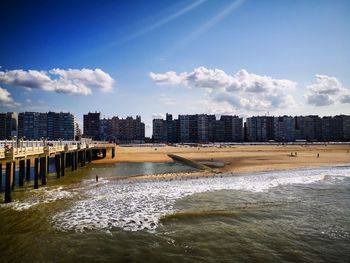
<point x="66" y="154"/>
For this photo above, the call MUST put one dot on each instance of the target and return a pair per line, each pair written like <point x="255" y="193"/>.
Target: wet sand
<point x="240" y="159"/>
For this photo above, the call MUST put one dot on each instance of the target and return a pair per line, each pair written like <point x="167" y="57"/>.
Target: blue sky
<point x="152" y="57"/>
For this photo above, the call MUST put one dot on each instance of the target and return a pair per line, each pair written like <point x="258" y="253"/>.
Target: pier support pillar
<point x="0" y="177"/>
<point x="80" y="158"/>
<point x="88" y="156"/>
<point x="8" y="185"/>
<point x="36" y="173"/>
<point x="13" y="175"/>
<point x="72" y="155"/>
<point x="43" y="170"/>
<point x="21" y="172"/>
<point x="76" y="160"/>
<point x="47" y="164"/>
<point x="67" y="160"/>
<point x="28" y="170"/>
<point x="84" y="157"/>
<point x="58" y="165"/>
<point x="63" y="163"/>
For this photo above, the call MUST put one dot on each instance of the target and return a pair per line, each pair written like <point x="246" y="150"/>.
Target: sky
<point x="128" y="58"/>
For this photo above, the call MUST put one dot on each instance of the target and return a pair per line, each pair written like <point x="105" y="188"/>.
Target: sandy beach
<point x="242" y="158"/>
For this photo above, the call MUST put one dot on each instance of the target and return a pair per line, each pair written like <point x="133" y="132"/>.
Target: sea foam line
<point x="39" y="196"/>
<point x="139" y="205"/>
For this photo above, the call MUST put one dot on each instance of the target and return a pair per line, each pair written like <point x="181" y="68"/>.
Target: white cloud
<point x="168" y="78"/>
<point x="6" y="99"/>
<point x="241" y="90"/>
<point x="327" y="91"/>
<point x="70" y="81"/>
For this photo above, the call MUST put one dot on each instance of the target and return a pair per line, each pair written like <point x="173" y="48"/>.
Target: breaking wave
<point x="40" y="196"/>
<point x="139" y="205"/>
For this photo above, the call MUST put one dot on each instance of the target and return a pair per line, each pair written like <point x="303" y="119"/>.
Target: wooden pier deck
<point x="66" y="154"/>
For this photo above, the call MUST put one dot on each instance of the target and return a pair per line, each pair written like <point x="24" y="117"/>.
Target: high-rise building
<point x="251" y="129"/>
<point x="159" y="130"/>
<point x="346" y="127"/>
<point x="203" y="128"/>
<point x="193" y="128"/>
<point x="3" y="134"/>
<point x="284" y="129"/>
<point x="216" y="131"/>
<point x="172" y="129"/>
<point x="233" y="127"/>
<point x="32" y="125"/>
<point x="51" y="125"/>
<point x="60" y="126"/>
<point x="92" y="125"/>
<point x="105" y="129"/>
<point x="8" y="125"/>
<point x="308" y="128"/>
<point x="200" y="128"/>
<point x="184" y="128"/>
<point x="260" y="128"/>
<point x="128" y="130"/>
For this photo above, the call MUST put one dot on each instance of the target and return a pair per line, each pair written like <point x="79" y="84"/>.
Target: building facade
<point x="91" y="122"/>
<point x="284" y="129"/>
<point x="260" y="128"/>
<point x="198" y="128"/>
<point x="51" y="126"/>
<point x="61" y="126"/>
<point x="8" y="125"/>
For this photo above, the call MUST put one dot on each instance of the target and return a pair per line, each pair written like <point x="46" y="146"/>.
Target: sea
<point x="298" y="215"/>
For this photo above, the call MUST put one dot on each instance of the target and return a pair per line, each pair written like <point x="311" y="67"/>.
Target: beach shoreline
<point x="238" y="159"/>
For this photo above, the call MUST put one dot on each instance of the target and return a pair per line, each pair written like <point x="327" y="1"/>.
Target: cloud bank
<point x="327" y="91"/>
<point x="70" y="81"/>
<point x="6" y="99"/>
<point x="242" y="90"/>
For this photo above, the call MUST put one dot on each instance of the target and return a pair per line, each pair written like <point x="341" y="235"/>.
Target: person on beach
<point x="96" y="178"/>
<point x="318" y="155"/>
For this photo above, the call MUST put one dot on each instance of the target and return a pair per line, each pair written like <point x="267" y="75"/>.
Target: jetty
<point x="66" y="154"/>
<point x="188" y="162"/>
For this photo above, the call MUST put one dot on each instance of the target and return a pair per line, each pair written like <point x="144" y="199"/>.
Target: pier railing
<point x="10" y="149"/>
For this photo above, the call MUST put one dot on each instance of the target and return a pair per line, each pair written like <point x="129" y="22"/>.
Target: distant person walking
<point x="318" y="155"/>
<point x="96" y="178"/>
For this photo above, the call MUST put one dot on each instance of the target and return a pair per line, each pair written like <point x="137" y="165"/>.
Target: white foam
<point x="40" y="196"/>
<point x="138" y="205"/>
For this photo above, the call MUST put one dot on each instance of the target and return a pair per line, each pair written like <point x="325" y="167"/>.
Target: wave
<point x="139" y="205"/>
<point x="39" y="196"/>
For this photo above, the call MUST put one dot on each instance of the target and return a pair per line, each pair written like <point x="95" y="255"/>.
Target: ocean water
<point x="282" y="216"/>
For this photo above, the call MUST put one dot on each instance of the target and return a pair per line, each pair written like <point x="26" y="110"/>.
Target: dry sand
<point x="242" y="158"/>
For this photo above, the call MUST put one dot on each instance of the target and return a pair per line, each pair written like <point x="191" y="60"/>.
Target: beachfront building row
<point x="203" y="128"/>
<point x="37" y="125"/>
<point x="8" y="125"/>
<point x="298" y="128"/>
<point x="119" y="130"/>
<point x="198" y="128"/>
